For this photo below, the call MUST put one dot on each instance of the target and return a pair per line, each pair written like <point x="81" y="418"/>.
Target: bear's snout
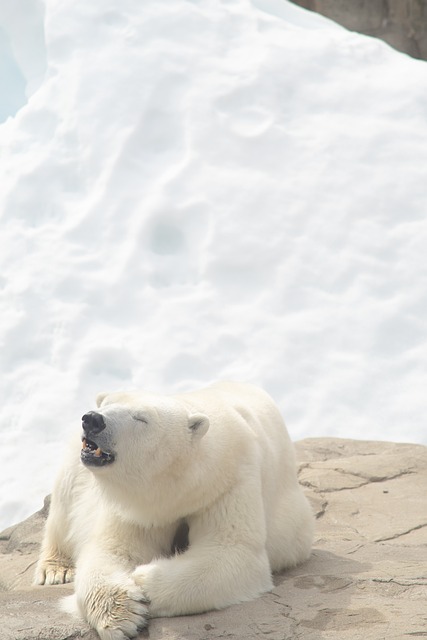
<point x="93" y="423"/>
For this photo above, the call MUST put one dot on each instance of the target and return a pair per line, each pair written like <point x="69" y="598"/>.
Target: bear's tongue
<point x="89" y="446"/>
<point x="93" y="455"/>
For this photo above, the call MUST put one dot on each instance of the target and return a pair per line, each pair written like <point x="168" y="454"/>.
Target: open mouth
<point x="92" y="454"/>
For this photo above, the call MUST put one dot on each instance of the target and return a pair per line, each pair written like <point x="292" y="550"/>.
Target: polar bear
<point x="174" y="505"/>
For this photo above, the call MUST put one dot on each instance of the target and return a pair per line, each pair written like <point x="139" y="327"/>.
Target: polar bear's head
<point x="139" y="435"/>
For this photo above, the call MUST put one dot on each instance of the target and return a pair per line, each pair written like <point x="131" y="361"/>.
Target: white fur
<point x="219" y="459"/>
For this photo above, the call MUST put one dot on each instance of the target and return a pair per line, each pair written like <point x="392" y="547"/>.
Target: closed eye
<point x="140" y="419"/>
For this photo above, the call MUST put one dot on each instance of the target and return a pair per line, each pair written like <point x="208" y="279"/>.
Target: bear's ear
<point x="198" y="424"/>
<point x="100" y="398"/>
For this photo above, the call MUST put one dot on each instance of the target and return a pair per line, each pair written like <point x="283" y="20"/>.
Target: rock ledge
<point x="367" y="575"/>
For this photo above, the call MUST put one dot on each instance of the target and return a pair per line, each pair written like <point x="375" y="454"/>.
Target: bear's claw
<point x="118" y="612"/>
<point x="50" y="573"/>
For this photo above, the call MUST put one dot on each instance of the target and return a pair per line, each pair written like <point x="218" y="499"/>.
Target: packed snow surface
<point x="194" y="190"/>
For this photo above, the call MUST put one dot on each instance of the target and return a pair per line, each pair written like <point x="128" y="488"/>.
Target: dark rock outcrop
<point x="400" y="23"/>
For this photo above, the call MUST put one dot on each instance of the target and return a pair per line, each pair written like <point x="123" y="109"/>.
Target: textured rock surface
<point x="367" y="577"/>
<point x="401" y="23"/>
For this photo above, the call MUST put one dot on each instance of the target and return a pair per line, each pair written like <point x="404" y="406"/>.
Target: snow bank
<point x="207" y="189"/>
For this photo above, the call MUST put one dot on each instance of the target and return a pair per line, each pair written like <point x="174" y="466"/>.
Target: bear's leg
<point x="105" y="594"/>
<point x="290" y="531"/>
<point x="204" y="579"/>
<point x="55" y="565"/>
<point x="226" y="561"/>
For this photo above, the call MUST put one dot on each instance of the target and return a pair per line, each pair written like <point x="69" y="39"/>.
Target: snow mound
<point x="195" y="190"/>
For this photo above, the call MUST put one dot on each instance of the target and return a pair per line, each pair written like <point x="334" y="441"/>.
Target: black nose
<point x="93" y="423"/>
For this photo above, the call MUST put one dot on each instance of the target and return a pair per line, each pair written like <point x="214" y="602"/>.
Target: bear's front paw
<point x="144" y="574"/>
<point x="117" y="611"/>
<point x="54" y="572"/>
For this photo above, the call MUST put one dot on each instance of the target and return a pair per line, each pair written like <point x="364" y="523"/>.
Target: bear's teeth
<point x="84" y="444"/>
<point x="98" y="452"/>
